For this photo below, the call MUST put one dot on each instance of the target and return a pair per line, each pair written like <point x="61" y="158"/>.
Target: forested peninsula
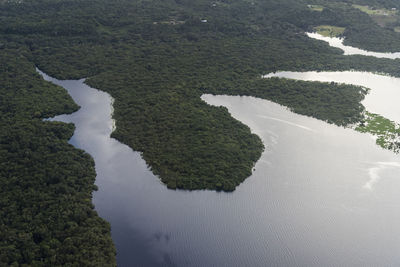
<point x="156" y="58"/>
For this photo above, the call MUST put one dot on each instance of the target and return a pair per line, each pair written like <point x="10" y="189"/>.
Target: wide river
<point x="321" y="195"/>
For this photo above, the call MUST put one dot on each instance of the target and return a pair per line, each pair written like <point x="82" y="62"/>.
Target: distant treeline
<point x="156" y="58"/>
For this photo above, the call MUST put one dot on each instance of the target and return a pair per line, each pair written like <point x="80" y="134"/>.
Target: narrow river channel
<point x="350" y="50"/>
<point x="320" y="195"/>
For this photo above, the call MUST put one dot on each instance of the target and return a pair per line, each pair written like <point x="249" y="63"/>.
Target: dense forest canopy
<point x="156" y="58"/>
<point x="46" y="214"/>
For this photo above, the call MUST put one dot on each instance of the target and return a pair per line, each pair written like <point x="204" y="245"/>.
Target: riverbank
<point x="313" y="175"/>
<point x="46" y="185"/>
<point x="381" y="99"/>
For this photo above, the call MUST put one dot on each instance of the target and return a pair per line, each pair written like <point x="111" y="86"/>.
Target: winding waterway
<point x="320" y="195"/>
<point x="350" y="50"/>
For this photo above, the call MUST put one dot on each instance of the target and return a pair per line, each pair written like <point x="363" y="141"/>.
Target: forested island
<point x="156" y="58"/>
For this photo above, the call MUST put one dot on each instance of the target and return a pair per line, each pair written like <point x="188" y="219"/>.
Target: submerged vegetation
<point x="387" y="132"/>
<point x="156" y="58"/>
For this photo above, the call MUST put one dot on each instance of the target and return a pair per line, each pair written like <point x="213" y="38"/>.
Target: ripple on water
<point x="304" y="205"/>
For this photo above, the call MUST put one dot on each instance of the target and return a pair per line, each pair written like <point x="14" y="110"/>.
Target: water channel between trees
<point x="320" y="195"/>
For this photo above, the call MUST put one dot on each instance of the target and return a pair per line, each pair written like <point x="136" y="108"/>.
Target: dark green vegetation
<point x="156" y="58"/>
<point x="370" y="25"/>
<point x="46" y="214"/>
<point x="332" y="102"/>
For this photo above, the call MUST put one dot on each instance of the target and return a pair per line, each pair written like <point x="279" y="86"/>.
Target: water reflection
<point x="383" y="98"/>
<point x="305" y="205"/>
<point x="349" y="50"/>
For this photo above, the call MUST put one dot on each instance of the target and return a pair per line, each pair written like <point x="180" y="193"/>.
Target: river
<point x="320" y="195"/>
<point x="350" y="50"/>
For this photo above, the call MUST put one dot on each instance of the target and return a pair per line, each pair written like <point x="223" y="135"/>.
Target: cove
<point x="382" y="98"/>
<point x="320" y="195"/>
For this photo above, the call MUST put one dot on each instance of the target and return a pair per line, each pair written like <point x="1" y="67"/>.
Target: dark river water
<point x="320" y="195"/>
